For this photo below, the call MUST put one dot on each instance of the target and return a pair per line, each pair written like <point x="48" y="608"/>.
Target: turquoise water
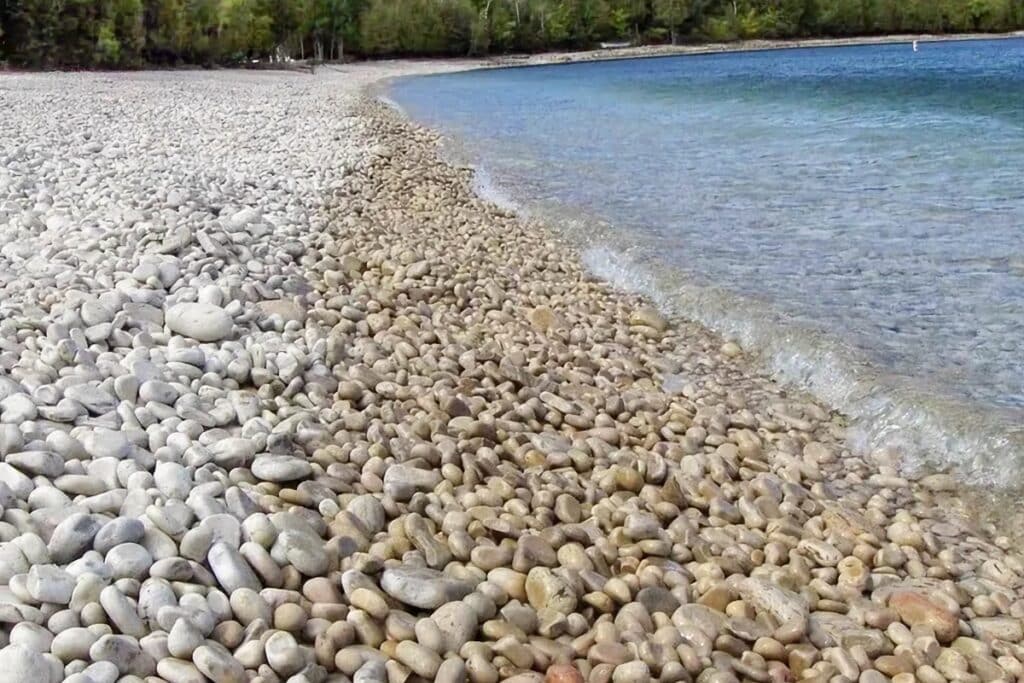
<point x="855" y="214"/>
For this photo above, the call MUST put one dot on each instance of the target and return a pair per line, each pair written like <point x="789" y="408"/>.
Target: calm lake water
<point x="855" y="214"/>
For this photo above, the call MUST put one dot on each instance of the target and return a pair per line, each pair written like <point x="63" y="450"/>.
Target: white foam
<point x="985" y="446"/>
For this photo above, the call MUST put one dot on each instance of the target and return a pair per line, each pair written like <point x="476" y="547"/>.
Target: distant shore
<point x="641" y="51"/>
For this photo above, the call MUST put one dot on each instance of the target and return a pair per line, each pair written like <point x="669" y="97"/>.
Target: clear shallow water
<point x="856" y="214"/>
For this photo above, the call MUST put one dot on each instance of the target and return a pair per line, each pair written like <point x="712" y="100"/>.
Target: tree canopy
<point x="133" y="33"/>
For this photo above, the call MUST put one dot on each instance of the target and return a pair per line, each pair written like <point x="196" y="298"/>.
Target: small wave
<point x="392" y="104"/>
<point x="485" y="188"/>
<point x="983" y="445"/>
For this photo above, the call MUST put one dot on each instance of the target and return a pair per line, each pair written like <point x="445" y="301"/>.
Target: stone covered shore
<point x="282" y="400"/>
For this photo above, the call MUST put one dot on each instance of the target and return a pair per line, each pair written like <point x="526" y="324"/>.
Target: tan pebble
<point x="610" y="652"/>
<point x="525" y="677"/>
<point x="891" y="665"/>
<point x="927" y="674"/>
<point x="369" y="601"/>
<point x="986" y="668"/>
<point x="769" y="648"/>
<point x="631" y="671"/>
<point x="481" y="670"/>
<point x="290" y="617"/>
<point x="546" y="589"/>
<point x="731" y="349"/>
<point x="229" y="634"/>
<point x="801" y="658"/>
<point x="871" y="676"/>
<point x="452" y="670"/>
<point x="422" y="661"/>
<point x="520" y="655"/>
<point x="618" y="590"/>
<point x="429" y="635"/>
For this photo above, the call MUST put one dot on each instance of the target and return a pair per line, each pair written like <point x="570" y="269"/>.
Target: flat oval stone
<point x="280" y="468"/>
<point x="202" y="322"/>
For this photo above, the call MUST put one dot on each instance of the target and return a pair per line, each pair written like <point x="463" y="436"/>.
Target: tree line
<point x="134" y="33"/>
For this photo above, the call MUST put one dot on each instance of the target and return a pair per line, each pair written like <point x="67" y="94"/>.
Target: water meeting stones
<point x="282" y="400"/>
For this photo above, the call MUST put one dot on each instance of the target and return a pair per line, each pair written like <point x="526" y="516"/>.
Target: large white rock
<point x="202" y="322"/>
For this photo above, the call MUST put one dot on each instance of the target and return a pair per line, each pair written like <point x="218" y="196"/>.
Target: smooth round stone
<point x="106" y="443"/>
<point x="32" y="636"/>
<point x="283" y="654"/>
<point x="19" y="663"/>
<point x="303" y="551"/>
<point x="179" y="671"/>
<point x="118" y="531"/>
<point x="120" y="650"/>
<point x="202" y="322"/>
<point x="183" y="639"/>
<point x="368" y="510"/>
<point x="216" y="663"/>
<point x="73" y="643"/>
<point x="422" y="661"/>
<point x="129" y="560"/>
<point x="231" y="569"/>
<point x="122" y="612"/>
<point x="280" y="468"/>
<point x="422" y="587"/>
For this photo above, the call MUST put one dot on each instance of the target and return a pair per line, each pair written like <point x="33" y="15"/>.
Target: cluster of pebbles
<point x="282" y="400"/>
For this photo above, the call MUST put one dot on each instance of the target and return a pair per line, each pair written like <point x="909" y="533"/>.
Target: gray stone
<point x="17" y="408"/>
<point x="303" y="551"/>
<point x="368" y="510"/>
<point x="73" y="643"/>
<point x="72" y="537"/>
<point x="231" y="569"/>
<point x="37" y="463"/>
<point x="120" y="650"/>
<point x="129" y="560"/>
<point x="402" y="481"/>
<point x="118" y="531"/>
<point x="422" y="587"/>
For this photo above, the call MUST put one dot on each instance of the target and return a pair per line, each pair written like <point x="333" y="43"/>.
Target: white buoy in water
<point x="915" y="46"/>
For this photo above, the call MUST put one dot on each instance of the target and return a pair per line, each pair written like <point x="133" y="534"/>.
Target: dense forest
<point x="132" y="33"/>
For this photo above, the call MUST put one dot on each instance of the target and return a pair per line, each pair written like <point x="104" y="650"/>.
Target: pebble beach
<point x="281" y="399"/>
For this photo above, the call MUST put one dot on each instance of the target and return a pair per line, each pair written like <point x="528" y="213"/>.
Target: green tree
<point x="672" y="14"/>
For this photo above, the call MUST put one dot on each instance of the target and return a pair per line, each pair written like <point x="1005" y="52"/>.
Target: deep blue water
<point x="856" y="213"/>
